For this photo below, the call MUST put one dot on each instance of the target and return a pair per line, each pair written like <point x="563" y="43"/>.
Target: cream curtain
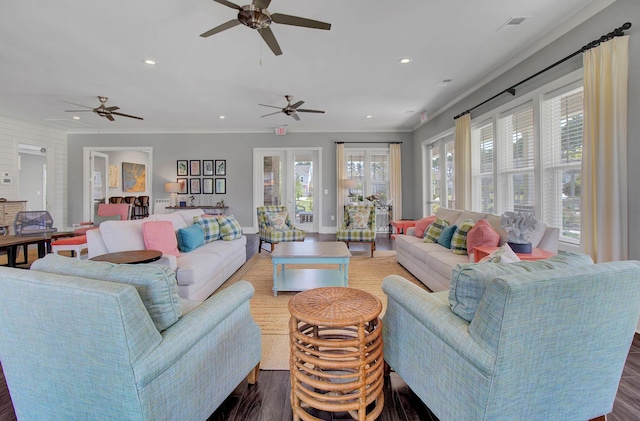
<point x="462" y="161"/>
<point x="341" y="170"/>
<point x="395" y="179"/>
<point x="603" y="210"/>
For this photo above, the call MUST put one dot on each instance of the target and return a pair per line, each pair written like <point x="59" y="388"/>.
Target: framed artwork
<point x="183" y="185"/>
<point x="194" y="186"/>
<point x="114" y="175"/>
<point x="221" y="167"/>
<point x="183" y="167"/>
<point x="195" y="167"/>
<point x="207" y="186"/>
<point x="221" y="186"/>
<point x="134" y="177"/>
<point x="207" y="167"/>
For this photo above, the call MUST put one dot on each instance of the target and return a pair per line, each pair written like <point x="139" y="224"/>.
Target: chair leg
<point x="373" y="247"/>
<point x="272" y="246"/>
<point x="260" y="246"/>
<point x="252" y="377"/>
<point x="600" y="418"/>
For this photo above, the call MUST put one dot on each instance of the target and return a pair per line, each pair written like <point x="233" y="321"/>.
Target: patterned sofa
<point x="432" y="263"/>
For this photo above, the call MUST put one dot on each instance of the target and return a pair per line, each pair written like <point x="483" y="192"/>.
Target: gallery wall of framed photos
<point x="206" y="176"/>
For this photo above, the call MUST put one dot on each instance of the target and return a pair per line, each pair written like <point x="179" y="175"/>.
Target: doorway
<point x="439" y="179"/>
<point x="32" y="167"/>
<point x="290" y="177"/>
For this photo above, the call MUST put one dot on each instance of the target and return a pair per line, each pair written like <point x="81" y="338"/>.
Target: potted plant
<point x="519" y="227"/>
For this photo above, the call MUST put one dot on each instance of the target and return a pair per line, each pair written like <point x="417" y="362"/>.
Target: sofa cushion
<point x="188" y="214"/>
<point x="156" y="284"/>
<point x="230" y="229"/>
<point x="469" y="281"/>
<point x="495" y="222"/>
<point x="538" y="233"/>
<point x="174" y="218"/>
<point x="421" y="225"/>
<point x="449" y="215"/>
<point x="443" y="261"/>
<point x="190" y="238"/>
<point x="482" y="235"/>
<point x="459" y="239"/>
<point x="122" y="235"/>
<point x="469" y="215"/>
<point x="433" y="231"/>
<point x="445" y="236"/>
<point x="159" y="235"/>
<point x="199" y="265"/>
<point x="209" y="225"/>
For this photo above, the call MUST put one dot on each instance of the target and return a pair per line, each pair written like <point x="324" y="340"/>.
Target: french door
<point x="97" y="180"/>
<point x="290" y="177"/>
<point x="440" y="176"/>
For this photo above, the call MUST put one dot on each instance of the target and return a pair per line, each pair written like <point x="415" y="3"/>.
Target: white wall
<point x="12" y="133"/>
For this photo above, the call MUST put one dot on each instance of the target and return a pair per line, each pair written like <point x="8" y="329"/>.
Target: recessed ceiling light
<point x="369" y="116"/>
<point x="221" y="117"/>
<point x="150" y="62"/>
<point x="75" y="117"/>
<point x="405" y="60"/>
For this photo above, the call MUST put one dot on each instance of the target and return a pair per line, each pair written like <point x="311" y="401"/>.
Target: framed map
<point x="134" y="177"/>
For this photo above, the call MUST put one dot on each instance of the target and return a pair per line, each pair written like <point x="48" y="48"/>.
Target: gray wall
<point x="612" y="17"/>
<point x="237" y="149"/>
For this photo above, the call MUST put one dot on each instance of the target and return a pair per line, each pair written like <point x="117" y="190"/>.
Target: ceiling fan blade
<point x="297" y="104"/>
<point x="277" y="112"/>
<point x="297" y="21"/>
<point x="79" y="105"/>
<point x="270" y="39"/>
<point x="302" y="110"/>
<point x="229" y="4"/>
<point x="126" y="115"/>
<point x="262" y="4"/>
<point x="220" y="28"/>
<point x="112" y="108"/>
<point x="295" y="116"/>
<point x="108" y="116"/>
<point x="78" y="111"/>
<point x="272" y="106"/>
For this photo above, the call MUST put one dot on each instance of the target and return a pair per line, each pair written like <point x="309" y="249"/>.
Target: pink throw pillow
<point x="482" y="235"/>
<point x="159" y="235"/>
<point x="421" y="225"/>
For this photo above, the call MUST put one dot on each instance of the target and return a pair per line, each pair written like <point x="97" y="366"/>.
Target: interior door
<point x="98" y="173"/>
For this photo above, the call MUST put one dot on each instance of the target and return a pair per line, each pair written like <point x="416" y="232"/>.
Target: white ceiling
<point x="75" y="50"/>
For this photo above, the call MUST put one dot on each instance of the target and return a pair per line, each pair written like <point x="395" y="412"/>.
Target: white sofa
<point x="199" y="272"/>
<point x="432" y="263"/>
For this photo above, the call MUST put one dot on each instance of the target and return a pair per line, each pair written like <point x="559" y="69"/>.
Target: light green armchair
<point x="270" y="232"/>
<point x="542" y="345"/>
<point x="359" y="225"/>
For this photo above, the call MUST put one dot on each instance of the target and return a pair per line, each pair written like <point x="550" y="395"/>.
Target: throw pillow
<point x="421" y="225"/>
<point x="482" y="235"/>
<point x="504" y="254"/>
<point x="209" y="225"/>
<point x="156" y="284"/>
<point x="190" y="238"/>
<point x="230" y="229"/>
<point x="159" y="235"/>
<point x="459" y="239"/>
<point x="359" y="220"/>
<point x="97" y="219"/>
<point x="445" y="236"/>
<point x="434" y="230"/>
<point x="470" y="280"/>
<point x="277" y="220"/>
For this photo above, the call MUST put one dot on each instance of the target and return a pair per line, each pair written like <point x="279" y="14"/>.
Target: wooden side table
<point x="130" y="257"/>
<point x="536" y="254"/>
<point x="401" y="226"/>
<point x="337" y="361"/>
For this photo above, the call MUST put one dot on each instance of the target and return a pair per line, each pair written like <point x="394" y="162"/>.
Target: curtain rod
<point x="391" y="143"/>
<point x="618" y="32"/>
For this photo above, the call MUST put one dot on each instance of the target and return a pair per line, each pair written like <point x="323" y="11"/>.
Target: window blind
<point x="482" y="194"/>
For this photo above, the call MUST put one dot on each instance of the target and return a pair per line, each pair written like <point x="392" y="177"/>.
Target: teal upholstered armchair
<point x="79" y="348"/>
<point x="544" y="344"/>
<point x="359" y="225"/>
<point x="275" y="226"/>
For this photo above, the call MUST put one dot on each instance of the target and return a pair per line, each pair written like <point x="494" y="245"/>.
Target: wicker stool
<point x="336" y="353"/>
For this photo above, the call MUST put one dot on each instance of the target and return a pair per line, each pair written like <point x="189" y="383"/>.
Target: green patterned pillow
<point x="229" y="228"/>
<point x="459" y="239"/>
<point x="209" y="225"/>
<point x="432" y="233"/>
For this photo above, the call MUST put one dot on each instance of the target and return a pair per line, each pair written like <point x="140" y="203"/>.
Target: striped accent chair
<point x="274" y="227"/>
<point x="357" y="227"/>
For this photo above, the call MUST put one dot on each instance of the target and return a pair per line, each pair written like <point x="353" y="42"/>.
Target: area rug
<point x="272" y="314"/>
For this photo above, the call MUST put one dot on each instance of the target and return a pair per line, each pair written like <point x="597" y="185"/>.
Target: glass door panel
<point x="434" y="201"/>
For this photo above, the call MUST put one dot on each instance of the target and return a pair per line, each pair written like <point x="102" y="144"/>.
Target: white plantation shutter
<point x="482" y="153"/>
<point x="561" y="156"/>
<point x="515" y="161"/>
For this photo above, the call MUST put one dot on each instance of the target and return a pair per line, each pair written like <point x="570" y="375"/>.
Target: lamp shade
<point x="350" y="183"/>
<point x="172" y="187"/>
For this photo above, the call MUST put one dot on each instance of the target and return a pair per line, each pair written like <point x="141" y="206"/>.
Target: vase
<point x="521" y="247"/>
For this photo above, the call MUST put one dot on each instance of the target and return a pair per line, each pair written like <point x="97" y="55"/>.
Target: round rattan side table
<point x="336" y="361"/>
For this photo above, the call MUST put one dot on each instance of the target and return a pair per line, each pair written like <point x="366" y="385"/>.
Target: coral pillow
<point x="159" y="235"/>
<point x="482" y="235"/>
<point x="421" y="225"/>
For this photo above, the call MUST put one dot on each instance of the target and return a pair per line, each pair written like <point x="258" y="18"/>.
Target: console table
<point x="216" y="210"/>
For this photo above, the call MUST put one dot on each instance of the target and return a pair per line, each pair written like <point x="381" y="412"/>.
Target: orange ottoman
<point x="73" y="244"/>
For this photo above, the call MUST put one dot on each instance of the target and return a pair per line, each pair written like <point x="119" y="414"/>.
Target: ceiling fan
<point x="291" y="110"/>
<point x="102" y="110"/>
<point x="256" y="16"/>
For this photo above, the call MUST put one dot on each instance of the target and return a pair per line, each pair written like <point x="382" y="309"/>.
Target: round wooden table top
<point x="131" y="257"/>
<point x="335" y="306"/>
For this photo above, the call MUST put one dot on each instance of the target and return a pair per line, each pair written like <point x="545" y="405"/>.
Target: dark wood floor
<point x="268" y="399"/>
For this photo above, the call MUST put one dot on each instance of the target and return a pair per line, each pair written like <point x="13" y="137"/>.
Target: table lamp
<point x="172" y="188"/>
<point x="350" y="184"/>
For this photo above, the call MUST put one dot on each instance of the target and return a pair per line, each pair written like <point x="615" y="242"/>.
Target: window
<point x="524" y="162"/>
<point x="371" y="169"/>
